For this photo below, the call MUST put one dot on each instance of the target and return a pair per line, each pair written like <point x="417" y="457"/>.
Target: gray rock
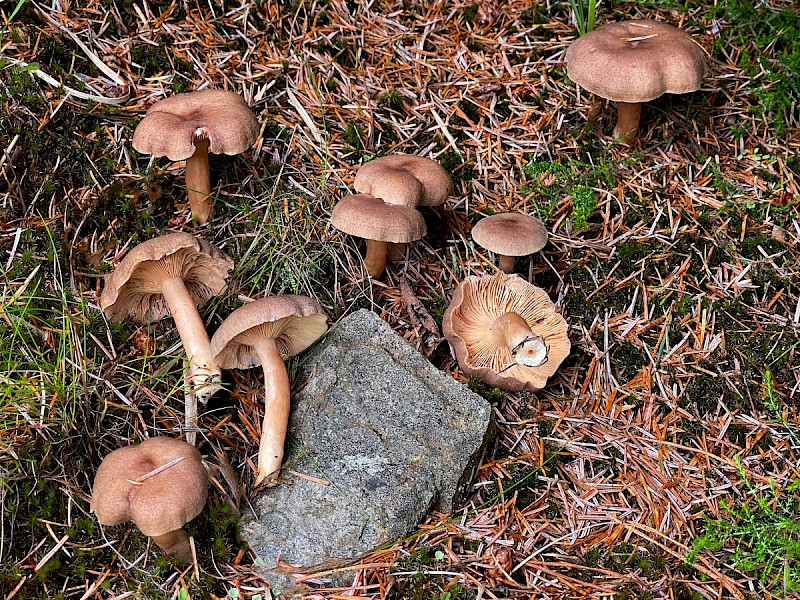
<point x="390" y="436"/>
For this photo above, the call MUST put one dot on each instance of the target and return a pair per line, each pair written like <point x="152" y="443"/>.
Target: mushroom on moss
<point x="632" y="62"/>
<point x="172" y="275"/>
<point x="510" y="235"/>
<point x="160" y="485"/>
<point x="188" y="127"/>
<point x="506" y="332"/>
<point x="378" y="222"/>
<point x="265" y="332"/>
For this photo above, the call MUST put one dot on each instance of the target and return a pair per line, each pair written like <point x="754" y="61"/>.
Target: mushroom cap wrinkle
<point x="158" y="504"/>
<point x="372" y="218"/>
<point x="510" y="234"/>
<point x="170" y="125"/>
<point x="636" y="61"/>
<point x="477" y="304"/>
<point x="404" y="179"/>
<point x="133" y="289"/>
<point x="294" y="322"/>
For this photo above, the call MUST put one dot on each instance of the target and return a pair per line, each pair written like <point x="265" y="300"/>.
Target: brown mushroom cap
<point x="133" y="289"/>
<point x="510" y="234"/>
<point x="371" y="218"/>
<point x="636" y="61"/>
<point x="158" y="504"/>
<point x="477" y="303"/>
<point x="170" y="125"/>
<point x="295" y="322"/>
<point x="404" y="179"/>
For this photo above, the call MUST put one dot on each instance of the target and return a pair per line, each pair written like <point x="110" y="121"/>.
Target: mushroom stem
<point x="512" y="331"/>
<point x="204" y="373"/>
<point x="507" y="263"/>
<point x="627" y="121"/>
<point x="395" y="252"/>
<point x="175" y="543"/>
<point x="198" y="182"/>
<point x="375" y="260"/>
<point x="276" y="410"/>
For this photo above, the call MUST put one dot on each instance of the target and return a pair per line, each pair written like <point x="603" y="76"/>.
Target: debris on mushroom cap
<point x="404" y="179"/>
<point x="636" y="61"/>
<point x="170" y="125"/>
<point x="510" y="234"/>
<point x="477" y="303"/>
<point x="159" y="503"/>
<point x="371" y="218"/>
<point x="133" y="289"/>
<point x="295" y="322"/>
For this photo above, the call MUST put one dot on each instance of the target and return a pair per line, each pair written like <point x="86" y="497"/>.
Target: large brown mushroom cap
<point x="510" y="234"/>
<point x="294" y="322"/>
<point x="636" y="61"/>
<point x="477" y="303"/>
<point x="372" y="218"/>
<point x="404" y="179"/>
<point x="158" y="504"/>
<point x="170" y="125"/>
<point x="133" y="289"/>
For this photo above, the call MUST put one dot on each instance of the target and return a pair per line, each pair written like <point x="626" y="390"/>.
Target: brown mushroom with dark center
<point x="378" y="222"/>
<point x="160" y="485"/>
<point x="506" y="332"/>
<point x="404" y="179"/>
<point x="510" y="235"/>
<point x="631" y="62"/>
<point x="188" y="127"/>
<point x="265" y="332"/>
<point x="172" y="275"/>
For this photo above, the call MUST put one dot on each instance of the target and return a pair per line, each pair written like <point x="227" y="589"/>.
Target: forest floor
<point x="663" y="458"/>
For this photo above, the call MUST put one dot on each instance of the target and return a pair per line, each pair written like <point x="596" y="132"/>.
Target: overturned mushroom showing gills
<point x="172" y="275"/>
<point x="506" y="332"/>
<point x="160" y="485"/>
<point x="265" y="332"/>
<point x="510" y="235"/>
<point x="188" y="127"/>
<point x="632" y="62"/>
<point x="378" y="222"/>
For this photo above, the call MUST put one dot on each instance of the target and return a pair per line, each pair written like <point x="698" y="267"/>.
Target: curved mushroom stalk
<point x="204" y="374"/>
<point x="198" y="180"/>
<point x="512" y="331"/>
<point x="375" y="259"/>
<point x="175" y="543"/>
<point x="276" y="410"/>
<point x="627" y="127"/>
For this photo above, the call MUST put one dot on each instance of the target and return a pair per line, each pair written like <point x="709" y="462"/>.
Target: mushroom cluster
<point x="390" y="189"/>
<point x="502" y="329"/>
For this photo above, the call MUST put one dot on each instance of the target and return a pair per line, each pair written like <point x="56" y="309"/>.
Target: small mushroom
<point x="265" y="332"/>
<point x="188" y="127"/>
<point x="378" y="222"/>
<point x="404" y="179"/>
<point x="173" y="275"/>
<point x="506" y="332"/>
<point x="632" y="62"/>
<point x="160" y="485"/>
<point x="510" y="235"/>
